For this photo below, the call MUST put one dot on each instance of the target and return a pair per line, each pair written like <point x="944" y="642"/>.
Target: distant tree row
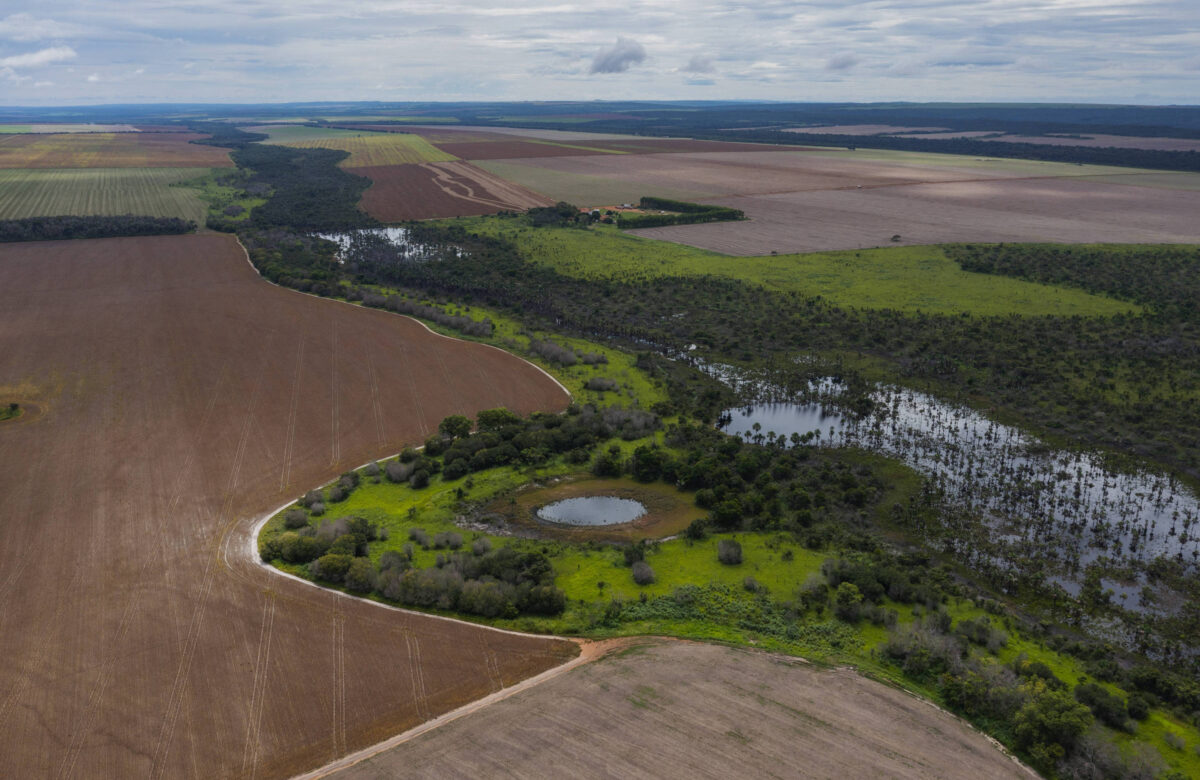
<point x="686" y="214"/>
<point x="64" y="227"/>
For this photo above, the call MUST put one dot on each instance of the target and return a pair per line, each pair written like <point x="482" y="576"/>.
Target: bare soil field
<point x="1100" y="140"/>
<point x="860" y="129"/>
<point x="181" y="397"/>
<point x="1058" y="210"/>
<point x="437" y="190"/>
<point x="568" y="136"/>
<point x="110" y="150"/>
<point x="505" y="148"/>
<point x="684" y="709"/>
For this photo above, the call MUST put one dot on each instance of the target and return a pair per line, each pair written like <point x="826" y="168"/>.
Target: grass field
<point x="373" y="149"/>
<point x="42" y="192"/>
<point x="905" y="278"/>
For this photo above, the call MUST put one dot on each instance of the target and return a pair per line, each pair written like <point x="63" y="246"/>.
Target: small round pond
<point x="592" y="510"/>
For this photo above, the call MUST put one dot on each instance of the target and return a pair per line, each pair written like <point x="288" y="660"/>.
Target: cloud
<point x="619" y="58"/>
<point x="93" y="78"/>
<point x="41" y="57"/>
<point x="23" y="27"/>
<point x="699" y="64"/>
<point x="843" y="61"/>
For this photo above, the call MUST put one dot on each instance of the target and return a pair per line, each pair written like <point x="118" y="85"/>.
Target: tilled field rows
<point x="43" y="192"/>
<point x="182" y="396"/>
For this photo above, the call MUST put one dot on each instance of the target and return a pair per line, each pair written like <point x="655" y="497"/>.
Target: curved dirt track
<point x="181" y="396"/>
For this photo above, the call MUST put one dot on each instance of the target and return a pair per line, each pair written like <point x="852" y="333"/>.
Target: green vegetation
<point x="10" y="411"/>
<point x="907" y="279"/>
<point x="230" y="197"/>
<point x="48" y="192"/>
<point x="57" y="228"/>
<point x="366" y="149"/>
<point x="787" y="559"/>
<point x="290" y="134"/>
<point x="9" y="129"/>
<point x="683" y="213"/>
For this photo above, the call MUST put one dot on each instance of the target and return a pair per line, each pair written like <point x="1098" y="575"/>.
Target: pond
<point x="592" y="511"/>
<point x="391" y="239"/>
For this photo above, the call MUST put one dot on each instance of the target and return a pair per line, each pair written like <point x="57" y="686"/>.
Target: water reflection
<point x="592" y="510"/>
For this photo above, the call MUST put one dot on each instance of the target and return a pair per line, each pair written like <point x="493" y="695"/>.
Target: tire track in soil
<point x="290" y="440"/>
<point x="339" y="678"/>
<point x="154" y="402"/>
<point x="375" y="403"/>
<point x="335" y="446"/>
<point x="412" y="386"/>
<point x="259" y="688"/>
<point x="178" y="688"/>
<point x="420" y="696"/>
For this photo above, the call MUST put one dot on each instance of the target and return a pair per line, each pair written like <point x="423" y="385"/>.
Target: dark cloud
<point x="699" y="64"/>
<point x="843" y="61"/>
<point x="619" y="58"/>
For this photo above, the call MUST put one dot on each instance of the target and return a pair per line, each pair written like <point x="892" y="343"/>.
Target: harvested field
<point x="110" y="150"/>
<point x="860" y="129"/>
<point x="45" y="192"/>
<point x="568" y="136"/>
<point x="436" y="190"/>
<point x="508" y="148"/>
<point x="1118" y="141"/>
<point x="1056" y="210"/>
<point x="684" y="709"/>
<point x="374" y="149"/>
<point x="181" y="396"/>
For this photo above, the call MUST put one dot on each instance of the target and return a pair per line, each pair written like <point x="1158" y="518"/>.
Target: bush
<point x="398" y="471"/>
<point x="360" y="577"/>
<point x="642" y="573"/>
<point x="420" y="536"/>
<point x="847" y="601"/>
<point x="371" y="469"/>
<point x="729" y="552"/>
<point x="448" y="539"/>
<point x="481" y="546"/>
<point x="419" y="479"/>
<point x="332" y="567"/>
<point x="295" y="518"/>
<point x="317" y="509"/>
<point x="1105" y="705"/>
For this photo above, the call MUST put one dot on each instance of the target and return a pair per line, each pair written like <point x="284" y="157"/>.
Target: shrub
<point x="751" y="585"/>
<point x="847" y="601"/>
<point x="332" y="567"/>
<point x="295" y="518"/>
<point x="361" y="576"/>
<point x="419" y="479"/>
<point x="729" y="552"/>
<point x="317" y="509"/>
<point x="371" y="469"/>
<point x="446" y="539"/>
<point x="481" y="546"/>
<point x="642" y="573"/>
<point x="420" y="536"/>
<point x="398" y="471"/>
<point x="1105" y="705"/>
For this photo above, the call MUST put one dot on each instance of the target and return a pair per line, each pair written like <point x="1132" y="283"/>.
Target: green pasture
<point x="287" y="134"/>
<point x="9" y="129"/>
<point x="48" y="192"/>
<point x="916" y="278"/>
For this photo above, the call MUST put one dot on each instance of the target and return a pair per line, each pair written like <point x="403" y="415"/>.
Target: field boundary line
<point x="594" y="651"/>
<point x="535" y="366"/>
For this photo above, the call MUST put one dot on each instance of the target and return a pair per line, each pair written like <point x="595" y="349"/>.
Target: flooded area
<point x="391" y="239"/>
<point x="592" y="511"/>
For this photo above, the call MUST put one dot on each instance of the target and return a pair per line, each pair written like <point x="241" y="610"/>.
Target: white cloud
<point x="38" y="58"/>
<point x="618" y="59"/>
<point x="93" y="78"/>
<point x="24" y="27"/>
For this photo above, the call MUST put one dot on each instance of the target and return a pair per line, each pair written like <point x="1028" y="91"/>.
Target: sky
<point x="75" y="52"/>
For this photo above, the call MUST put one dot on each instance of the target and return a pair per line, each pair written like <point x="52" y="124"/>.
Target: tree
<point x="456" y="426"/>
<point x="1049" y="723"/>
<point x="729" y="552"/>
<point x="642" y="573"/>
<point x="847" y="600"/>
<point x="495" y="419"/>
<point x="360" y="577"/>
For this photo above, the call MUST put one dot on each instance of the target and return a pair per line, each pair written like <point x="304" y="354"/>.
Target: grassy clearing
<point x="222" y="197"/>
<point x="16" y="128"/>
<point x="372" y="149"/>
<point x="47" y="192"/>
<point x="903" y="278"/>
<point x="581" y="188"/>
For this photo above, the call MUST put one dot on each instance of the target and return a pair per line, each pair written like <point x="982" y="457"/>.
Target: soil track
<point x="683" y="709"/>
<point x="180" y="391"/>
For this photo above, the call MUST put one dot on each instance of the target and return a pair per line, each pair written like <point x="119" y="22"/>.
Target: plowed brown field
<point x="445" y="189"/>
<point x="110" y="150"/>
<point x="690" y="710"/>
<point x="180" y="396"/>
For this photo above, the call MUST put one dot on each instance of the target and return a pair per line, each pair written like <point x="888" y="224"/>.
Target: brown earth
<point x="1054" y="210"/>
<point x="110" y="150"/>
<point x="684" y="709"/>
<point x="182" y="397"/>
<point x="505" y="147"/>
<point x="1119" y="141"/>
<point x="435" y="190"/>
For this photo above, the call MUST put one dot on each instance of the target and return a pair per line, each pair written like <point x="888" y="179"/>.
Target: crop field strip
<point x="375" y="149"/>
<point x="47" y="192"/>
<point x="198" y="662"/>
<point x="110" y="150"/>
